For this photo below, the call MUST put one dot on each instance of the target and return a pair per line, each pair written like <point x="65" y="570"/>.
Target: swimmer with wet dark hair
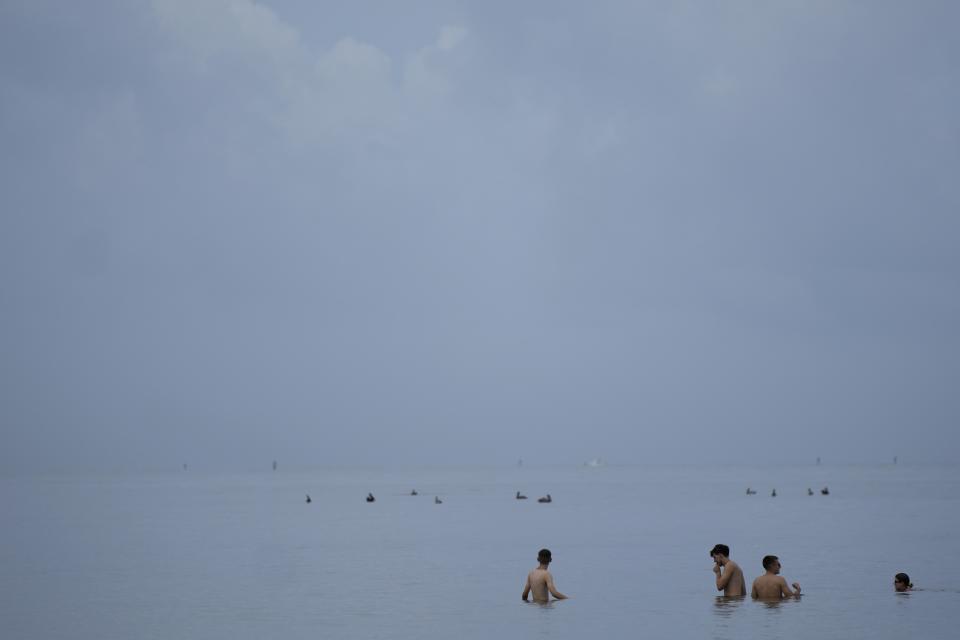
<point x="729" y="575"/>
<point x="901" y="583"/>
<point x="771" y="585"/>
<point x="540" y="582"/>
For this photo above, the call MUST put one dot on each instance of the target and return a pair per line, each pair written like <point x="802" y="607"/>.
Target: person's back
<point x="540" y="582"/>
<point x="537" y="580"/>
<point x="772" y="586"/>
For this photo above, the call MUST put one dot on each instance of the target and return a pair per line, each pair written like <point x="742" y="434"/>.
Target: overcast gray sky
<point x="234" y="231"/>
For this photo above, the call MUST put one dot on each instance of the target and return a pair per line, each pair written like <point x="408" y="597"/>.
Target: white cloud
<point x="450" y="37"/>
<point x="424" y="76"/>
<point x="349" y="89"/>
<point x="211" y="28"/>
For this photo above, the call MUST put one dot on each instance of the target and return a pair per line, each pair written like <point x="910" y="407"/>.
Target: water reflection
<point x="541" y="605"/>
<point x="771" y="604"/>
<point x="724" y="606"/>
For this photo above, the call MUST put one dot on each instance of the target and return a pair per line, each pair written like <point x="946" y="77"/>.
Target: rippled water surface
<point x="197" y="555"/>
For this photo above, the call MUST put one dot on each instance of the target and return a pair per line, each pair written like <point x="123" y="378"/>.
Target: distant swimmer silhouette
<point x="521" y="497"/>
<point x="809" y="491"/>
<point x="414" y="493"/>
<point x="437" y="500"/>
<point x="370" y="497"/>
<point x="308" y="499"/>
<point x="545" y="499"/>
<point x="825" y="491"/>
<point x="751" y="492"/>
<point x="773" y="494"/>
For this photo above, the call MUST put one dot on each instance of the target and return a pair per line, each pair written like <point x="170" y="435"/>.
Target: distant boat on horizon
<point x="596" y="462"/>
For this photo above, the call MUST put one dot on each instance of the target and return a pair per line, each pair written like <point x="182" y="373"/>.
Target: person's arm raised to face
<point x="553" y="589"/>
<point x="723" y="579"/>
<point x="526" y="589"/>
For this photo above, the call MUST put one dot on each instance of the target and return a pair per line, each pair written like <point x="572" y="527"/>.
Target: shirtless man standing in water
<point x="729" y="575"/>
<point x="772" y="586"/>
<point x="540" y="581"/>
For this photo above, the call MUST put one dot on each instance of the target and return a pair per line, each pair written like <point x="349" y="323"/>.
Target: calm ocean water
<point x="195" y="555"/>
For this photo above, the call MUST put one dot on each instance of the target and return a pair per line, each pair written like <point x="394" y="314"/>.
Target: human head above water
<point x="544" y="556"/>
<point x="901" y="582"/>
<point x="720" y="549"/>
<point x="770" y="562"/>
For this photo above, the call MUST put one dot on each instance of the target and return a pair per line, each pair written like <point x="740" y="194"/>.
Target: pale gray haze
<point x="233" y="231"/>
